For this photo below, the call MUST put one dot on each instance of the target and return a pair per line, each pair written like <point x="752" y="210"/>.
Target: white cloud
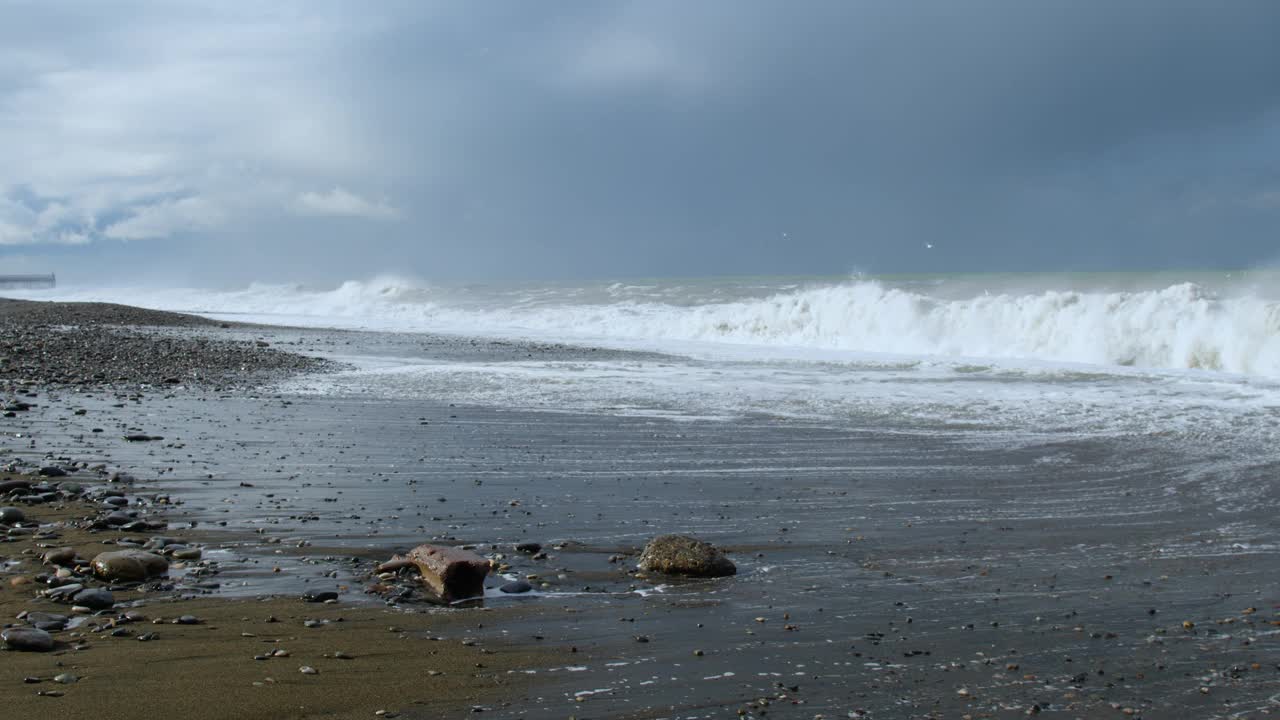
<point x="11" y="234"/>
<point x="344" y="203"/>
<point x="644" y="46"/>
<point x="166" y="219"/>
<point x="208" y="101"/>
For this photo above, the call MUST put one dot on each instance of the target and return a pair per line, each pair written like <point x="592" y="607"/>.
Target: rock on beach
<point x="94" y="599"/>
<point x="684" y="555"/>
<point x="27" y="639"/>
<point x="129" y="565"/>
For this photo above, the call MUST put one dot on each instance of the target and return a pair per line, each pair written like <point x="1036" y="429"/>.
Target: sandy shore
<point x="240" y="657"/>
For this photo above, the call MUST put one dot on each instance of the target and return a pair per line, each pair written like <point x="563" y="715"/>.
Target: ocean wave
<point x="1179" y="326"/>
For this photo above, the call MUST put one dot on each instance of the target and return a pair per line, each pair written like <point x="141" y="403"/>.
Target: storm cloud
<point x="323" y="140"/>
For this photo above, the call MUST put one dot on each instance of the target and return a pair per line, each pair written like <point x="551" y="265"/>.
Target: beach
<point x="886" y="566"/>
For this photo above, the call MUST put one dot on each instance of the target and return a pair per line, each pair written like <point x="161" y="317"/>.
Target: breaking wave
<point x="1179" y="326"/>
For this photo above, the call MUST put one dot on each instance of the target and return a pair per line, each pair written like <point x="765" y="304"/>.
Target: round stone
<point x="129" y="565"/>
<point x="94" y="599"/>
<point x="49" y="622"/>
<point x="61" y="556"/>
<point x="27" y="639"/>
<point x="519" y="586"/>
<point x="683" y="555"/>
<point x="11" y="515"/>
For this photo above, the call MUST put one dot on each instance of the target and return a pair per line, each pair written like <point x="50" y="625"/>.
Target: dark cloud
<point x="661" y="138"/>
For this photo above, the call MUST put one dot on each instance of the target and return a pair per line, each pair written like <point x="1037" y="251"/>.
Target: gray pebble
<point x="27" y="639"/>
<point x="95" y="599"/>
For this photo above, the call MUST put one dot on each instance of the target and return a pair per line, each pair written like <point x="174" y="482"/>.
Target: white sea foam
<point x="1176" y="326"/>
<point x="1195" y="362"/>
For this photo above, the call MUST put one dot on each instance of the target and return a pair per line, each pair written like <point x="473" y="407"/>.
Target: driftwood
<point x="450" y="573"/>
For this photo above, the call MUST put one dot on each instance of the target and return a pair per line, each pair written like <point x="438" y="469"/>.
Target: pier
<point x="28" y="281"/>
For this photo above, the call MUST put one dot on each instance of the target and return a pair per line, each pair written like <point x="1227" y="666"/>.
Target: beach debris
<point x="684" y="555"/>
<point x="129" y="565"/>
<point x="450" y="573"/>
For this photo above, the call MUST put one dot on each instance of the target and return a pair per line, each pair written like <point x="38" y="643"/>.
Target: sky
<point x="222" y="142"/>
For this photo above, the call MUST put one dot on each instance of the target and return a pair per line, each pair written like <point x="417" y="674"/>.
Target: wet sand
<point x="243" y="656"/>
<point x="881" y="574"/>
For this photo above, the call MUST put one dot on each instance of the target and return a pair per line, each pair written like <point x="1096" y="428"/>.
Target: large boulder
<point x="129" y="565"/>
<point x="683" y="555"/>
<point x="450" y="573"/>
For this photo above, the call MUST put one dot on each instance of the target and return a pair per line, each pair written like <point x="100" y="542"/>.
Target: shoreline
<point x="367" y="659"/>
<point x="880" y="574"/>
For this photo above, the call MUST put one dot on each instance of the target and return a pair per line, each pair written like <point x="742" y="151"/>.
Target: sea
<point x="1194" y="353"/>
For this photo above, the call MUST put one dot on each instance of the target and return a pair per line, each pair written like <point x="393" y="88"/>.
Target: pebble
<point x="94" y="599"/>
<point x="187" y="620"/>
<point x="65" y="678"/>
<point x="129" y="565"/>
<point x="49" y="622"/>
<point x="61" y="556"/>
<point x="10" y="515"/>
<point x="308" y="670"/>
<point x="63" y="592"/>
<point x="343" y="656"/>
<point x="27" y="639"/>
<point x="519" y="586"/>
<point x="319" y="597"/>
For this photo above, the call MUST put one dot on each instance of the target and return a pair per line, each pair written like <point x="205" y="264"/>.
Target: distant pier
<point x="27" y="281"/>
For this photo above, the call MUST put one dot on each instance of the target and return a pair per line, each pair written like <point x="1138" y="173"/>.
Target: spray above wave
<point x="1179" y="326"/>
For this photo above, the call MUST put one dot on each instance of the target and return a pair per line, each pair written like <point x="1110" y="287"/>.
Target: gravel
<point x="122" y="347"/>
